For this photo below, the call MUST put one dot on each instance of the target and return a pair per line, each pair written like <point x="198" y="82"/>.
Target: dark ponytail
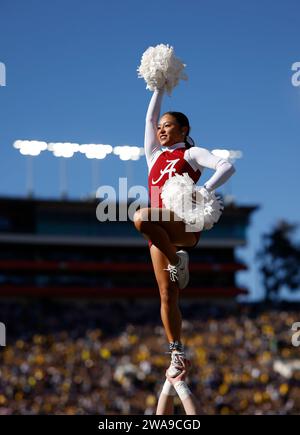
<point x="183" y="121"/>
<point x="189" y="142"/>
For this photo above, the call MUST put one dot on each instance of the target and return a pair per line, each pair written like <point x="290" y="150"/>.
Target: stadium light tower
<point x="129" y="153"/>
<point x="95" y="152"/>
<point x="30" y="148"/>
<point x="66" y="150"/>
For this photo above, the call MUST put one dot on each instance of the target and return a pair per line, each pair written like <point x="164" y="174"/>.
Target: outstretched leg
<point x="170" y="312"/>
<point x="166" y="235"/>
<point x="169" y="292"/>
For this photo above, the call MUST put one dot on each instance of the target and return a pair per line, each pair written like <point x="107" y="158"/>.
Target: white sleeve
<point x="200" y="158"/>
<point x="151" y="144"/>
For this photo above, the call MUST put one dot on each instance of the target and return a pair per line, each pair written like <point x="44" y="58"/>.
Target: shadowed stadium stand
<point x="59" y="248"/>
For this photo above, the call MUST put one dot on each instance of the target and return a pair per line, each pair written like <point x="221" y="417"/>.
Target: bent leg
<point x="163" y="233"/>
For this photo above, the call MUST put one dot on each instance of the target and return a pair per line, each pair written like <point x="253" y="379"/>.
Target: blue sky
<point x="71" y="76"/>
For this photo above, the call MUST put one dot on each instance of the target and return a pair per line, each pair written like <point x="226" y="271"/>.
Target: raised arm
<point x="165" y="405"/>
<point x="188" y="400"/>
<point x="152" y="117"/>
<point x="202" y="158"/>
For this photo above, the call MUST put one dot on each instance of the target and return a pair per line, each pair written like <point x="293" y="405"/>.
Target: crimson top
<point x="167" y="164"/>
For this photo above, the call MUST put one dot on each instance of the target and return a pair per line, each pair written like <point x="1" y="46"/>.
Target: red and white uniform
<point x="164" y="162"/>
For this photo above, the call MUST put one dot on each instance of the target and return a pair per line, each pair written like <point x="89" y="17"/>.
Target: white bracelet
<point x="168" y="389"/>
<point x="182" y="390"/>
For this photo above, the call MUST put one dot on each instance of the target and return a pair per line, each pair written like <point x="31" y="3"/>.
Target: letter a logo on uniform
<point x="169" y="169"/>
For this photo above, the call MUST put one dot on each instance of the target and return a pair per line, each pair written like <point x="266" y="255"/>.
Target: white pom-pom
<point x="161" y="68"/>
<point x="194" y="205"/>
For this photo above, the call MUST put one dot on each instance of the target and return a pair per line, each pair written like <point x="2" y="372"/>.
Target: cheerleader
<point x="169" y="150"/>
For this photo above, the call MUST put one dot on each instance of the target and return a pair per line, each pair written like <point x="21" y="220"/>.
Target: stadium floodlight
<point x="95" y="151"/>
<point x="126" y="152"/>
<point x="135" y="157"/>
<point x="17" y="144"/>
<point x="135" y="151"/>
<point x="231" y="155"/>
<point x="66" y="150"/>
<point x="30" y="147"/>
<point x="63" y="149"/>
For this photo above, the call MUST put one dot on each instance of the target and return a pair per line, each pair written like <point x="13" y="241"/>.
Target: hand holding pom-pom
<point x="204" y="192"/>
<point x="194" y="205"/>
<point x="160" y="68"/>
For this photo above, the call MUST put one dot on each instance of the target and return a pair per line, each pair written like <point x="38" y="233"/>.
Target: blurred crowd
<point x="110" y="358"/>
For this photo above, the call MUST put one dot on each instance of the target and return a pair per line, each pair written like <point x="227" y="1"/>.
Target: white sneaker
<point x="173" y="371"/>
<point x="180" y="272"/>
